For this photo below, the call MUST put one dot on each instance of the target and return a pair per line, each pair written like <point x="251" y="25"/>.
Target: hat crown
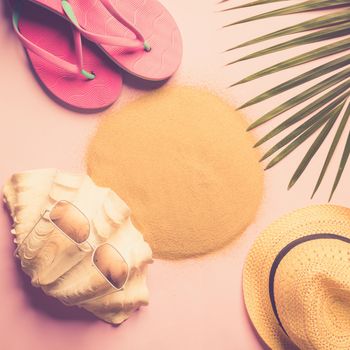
<point x="312" y="294"/>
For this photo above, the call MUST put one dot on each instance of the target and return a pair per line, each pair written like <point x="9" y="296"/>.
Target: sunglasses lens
<point x="111" y="264"/>
<point x="71" y="221"/>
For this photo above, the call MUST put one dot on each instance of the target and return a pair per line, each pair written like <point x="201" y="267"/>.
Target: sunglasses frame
<point x="93" y="249"/>
<point x="109" y="282"/>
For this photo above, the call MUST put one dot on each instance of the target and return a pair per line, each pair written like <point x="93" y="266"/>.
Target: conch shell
<point x="59" y="266"/>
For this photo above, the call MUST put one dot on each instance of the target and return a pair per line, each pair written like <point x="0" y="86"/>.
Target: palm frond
<point x="300" y="139"/>
<point x="328" y="33"/>
<point x="343" y="162"/>
<point x="312" y="150"/>
<point x="331" y="93"/>
<point x="300" y="79"/>
<point x="332" y="149"/>
<point x="310" y="56"/>
<point x="296" y="143"/>
<point x="312" y="107"/>
<point x="316" y="120"/>
<point x="306" y="6"/>
<point x="315" y="23"/>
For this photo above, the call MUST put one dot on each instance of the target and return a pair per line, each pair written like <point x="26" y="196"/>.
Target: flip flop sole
<point x="54" y="34"/>
<point x="150" y="17"/>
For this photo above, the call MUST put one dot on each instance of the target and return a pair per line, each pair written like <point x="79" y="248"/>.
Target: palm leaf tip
<point x="265" y="156"/>
<point x="291" y="184"/>
<point x="314" y="122"/>
<point x="313" y="150"/>
<point x="306" y="111"/>
<point x="321" y="117"/>
<point x="227" y="25"/>
<point x="332" y="148"/>
<point x="236" y="83"/>
<point x="259" y="142"/>
<point x="342" y="165"/>
<point x="269" y="166"/>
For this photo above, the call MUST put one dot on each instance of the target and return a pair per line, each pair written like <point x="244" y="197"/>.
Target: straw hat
<point x="296" y="280"/>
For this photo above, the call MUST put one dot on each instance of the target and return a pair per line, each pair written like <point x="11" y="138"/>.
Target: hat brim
<point x="302" y="222"/>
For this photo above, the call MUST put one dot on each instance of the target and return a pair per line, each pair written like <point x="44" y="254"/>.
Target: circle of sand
<point x="182" y="160"/>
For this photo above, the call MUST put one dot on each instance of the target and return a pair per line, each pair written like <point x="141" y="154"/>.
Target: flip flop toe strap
<point x="133" y="44"/>
<point x="48" y="56"/>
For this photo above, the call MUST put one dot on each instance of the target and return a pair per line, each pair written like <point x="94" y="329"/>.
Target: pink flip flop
<point x="139" y="35"/>
<point x="72" y="70"/>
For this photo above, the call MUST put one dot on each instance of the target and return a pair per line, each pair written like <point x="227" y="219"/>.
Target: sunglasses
<point x="70" y="221"/>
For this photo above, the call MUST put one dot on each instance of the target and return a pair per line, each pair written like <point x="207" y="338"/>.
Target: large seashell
<point x="64" y="269"/>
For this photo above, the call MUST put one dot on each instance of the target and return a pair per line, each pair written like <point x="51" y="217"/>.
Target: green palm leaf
<point x="312" y="107"/>
<point x="301" y="79"/>
<point x="315" y="23"/>
<point x="343" y="162"/>
<point x="329" y="33"/>
<point x="330" y="93"/>
<point x="312" y="151"/>
<point x="300" y="139"/>
<point x="306" y="6"/>
<point x="332" y="149"/>
<point x="253" y="3"/>
<point x="317" y="120"/>
<point x="316" y="54"/>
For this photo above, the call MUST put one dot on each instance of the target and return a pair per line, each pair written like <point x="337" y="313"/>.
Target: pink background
<point x="195" y="304"/>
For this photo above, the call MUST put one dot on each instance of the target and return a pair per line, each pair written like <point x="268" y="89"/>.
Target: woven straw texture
<point x="312" y="282"/>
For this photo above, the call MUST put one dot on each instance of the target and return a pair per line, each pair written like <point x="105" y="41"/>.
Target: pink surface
<point x="195" y="304"/>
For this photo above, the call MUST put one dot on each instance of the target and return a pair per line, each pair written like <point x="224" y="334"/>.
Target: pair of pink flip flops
<point x="68" y="43"/>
